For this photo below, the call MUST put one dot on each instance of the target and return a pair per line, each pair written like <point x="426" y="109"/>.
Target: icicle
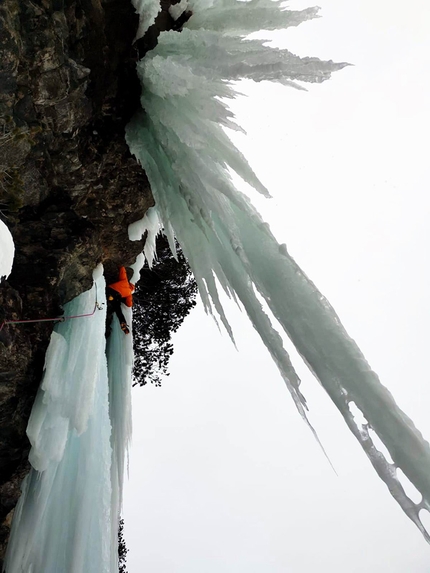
<point x="148" y="10"/>
<point x="119" y="353"/>
<point x="186" y="155"/>
<point x="241" y="18"/>
<point x="150" y="224"/>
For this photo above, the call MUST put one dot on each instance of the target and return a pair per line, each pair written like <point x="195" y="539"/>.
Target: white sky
<point x="224" y="475"/>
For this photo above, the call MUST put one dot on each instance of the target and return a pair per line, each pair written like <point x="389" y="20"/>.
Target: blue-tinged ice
<point x="119" y="351"/>
<point x="181" y="143"/>
<point x="67" y="517"/>
<point x="242" y="18"/>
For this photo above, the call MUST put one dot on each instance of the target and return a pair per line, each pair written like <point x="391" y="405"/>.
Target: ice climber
<point x="117" y="293"/>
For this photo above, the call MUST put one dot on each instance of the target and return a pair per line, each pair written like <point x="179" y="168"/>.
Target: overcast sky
<point x="224" y="475"/>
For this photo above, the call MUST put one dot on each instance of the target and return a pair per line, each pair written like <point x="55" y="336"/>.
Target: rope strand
<point x="97" y="306"/>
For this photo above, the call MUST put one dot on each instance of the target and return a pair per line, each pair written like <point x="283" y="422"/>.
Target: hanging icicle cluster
<point x="180" y="141"/>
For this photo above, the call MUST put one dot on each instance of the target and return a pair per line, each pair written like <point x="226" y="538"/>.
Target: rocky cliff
<point x="68" y="184"/>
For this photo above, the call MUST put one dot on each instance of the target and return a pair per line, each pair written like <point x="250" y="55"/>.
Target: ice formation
<point x="67" y="517"/>
<point x="7" y="251"/>
<point x="119" y="351"/>
<point x="79" y="429"/>
<point x="148" y="11"/>
<point x="234" y="17"/>
<point x="181" y="144"/>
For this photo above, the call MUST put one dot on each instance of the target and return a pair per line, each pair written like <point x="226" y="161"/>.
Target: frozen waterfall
<point x="80" y="426"/>
<point x="181" y="143"/>
<point x="67" y="516"/>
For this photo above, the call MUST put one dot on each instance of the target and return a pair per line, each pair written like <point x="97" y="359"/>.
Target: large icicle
<point x="119" y="353"/>
<point x="185" y="152"/>
<point x="232" y="17"/>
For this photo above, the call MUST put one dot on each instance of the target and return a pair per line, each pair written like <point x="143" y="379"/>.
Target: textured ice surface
<point x="151" y="224"/>
<point x="67" y="517"/>
<point x="186" y="154"/>
<point x="233" y="17"/>
<point x="147" y="10"/>
<point x="119" y="352"/>
<point x="7" y="251"/>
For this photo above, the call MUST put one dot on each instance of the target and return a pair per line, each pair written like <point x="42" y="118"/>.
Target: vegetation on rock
<point x="122" y="549"/>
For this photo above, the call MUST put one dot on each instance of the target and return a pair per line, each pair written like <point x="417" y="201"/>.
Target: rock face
<point x="68" y="184"/>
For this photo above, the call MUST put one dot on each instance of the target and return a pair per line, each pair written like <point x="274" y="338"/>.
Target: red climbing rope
<point x="57" y="319"/>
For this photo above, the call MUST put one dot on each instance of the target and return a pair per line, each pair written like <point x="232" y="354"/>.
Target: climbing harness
<point x="97" y="306"/>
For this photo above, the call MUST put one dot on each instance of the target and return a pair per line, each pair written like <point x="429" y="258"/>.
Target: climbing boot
<point x="125" y="328"/>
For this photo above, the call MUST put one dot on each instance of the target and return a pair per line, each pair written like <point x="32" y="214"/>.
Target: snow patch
<point x="7" y="251"/>
<point x="137" y="266"/>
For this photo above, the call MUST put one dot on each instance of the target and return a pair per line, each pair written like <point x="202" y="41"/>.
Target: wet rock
<point x="69" y="187"/>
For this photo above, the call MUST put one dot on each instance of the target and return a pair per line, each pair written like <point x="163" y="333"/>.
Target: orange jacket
<point x="124" y="288"/>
